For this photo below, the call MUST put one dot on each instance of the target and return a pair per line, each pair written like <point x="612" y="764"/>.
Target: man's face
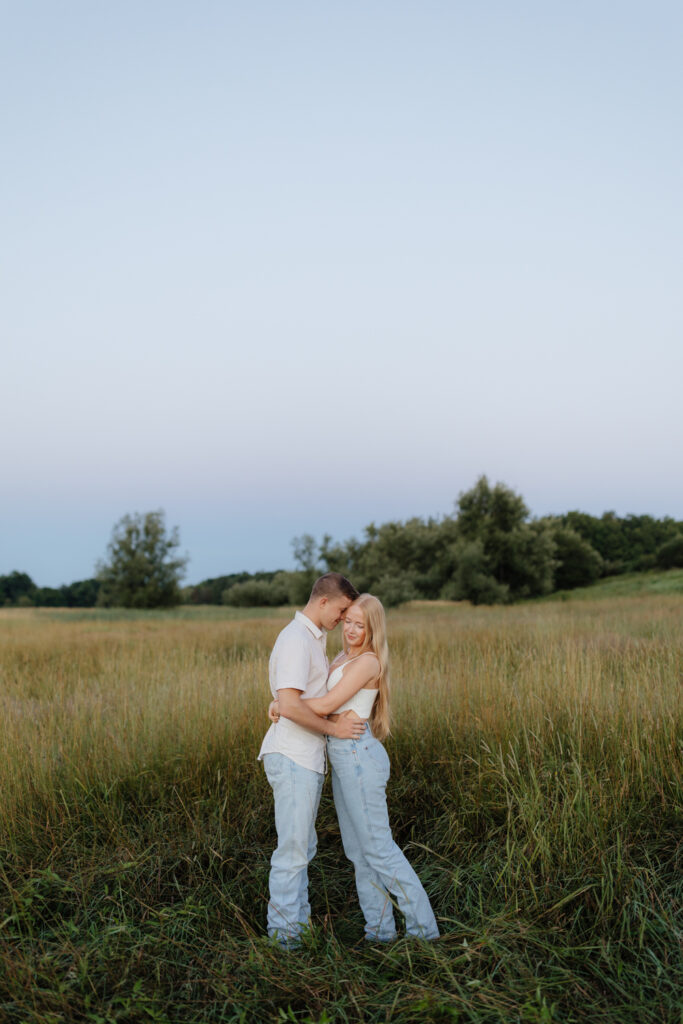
<point x="332" y="610"/>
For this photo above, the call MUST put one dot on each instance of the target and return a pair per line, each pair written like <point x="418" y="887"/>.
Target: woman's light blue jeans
<point x="360" y="772"/>
<point x="296" y="791"/>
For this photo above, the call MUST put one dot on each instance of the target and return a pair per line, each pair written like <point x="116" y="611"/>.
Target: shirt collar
<point x="317" y="633"/>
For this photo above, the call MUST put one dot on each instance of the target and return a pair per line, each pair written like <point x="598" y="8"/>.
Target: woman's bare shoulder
<point x="370" y="661"/>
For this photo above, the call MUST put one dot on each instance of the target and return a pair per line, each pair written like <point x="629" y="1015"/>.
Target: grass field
<point x="537" y="758"/>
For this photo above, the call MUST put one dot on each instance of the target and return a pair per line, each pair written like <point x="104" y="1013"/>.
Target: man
<point x="293" y="751"/>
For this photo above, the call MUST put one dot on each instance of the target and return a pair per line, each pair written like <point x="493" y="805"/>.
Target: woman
<point x="358" y="684"/>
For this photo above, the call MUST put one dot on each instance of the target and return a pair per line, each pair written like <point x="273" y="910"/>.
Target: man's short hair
<point x="333" y="584"/>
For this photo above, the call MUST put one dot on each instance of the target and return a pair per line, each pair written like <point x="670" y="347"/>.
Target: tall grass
<point x="537" y="756"/>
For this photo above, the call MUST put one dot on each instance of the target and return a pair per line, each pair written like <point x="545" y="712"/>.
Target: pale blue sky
<point x="293" y="267"/>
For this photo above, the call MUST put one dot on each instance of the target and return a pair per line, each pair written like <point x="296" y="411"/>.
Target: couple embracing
<point x="338" y="712"/>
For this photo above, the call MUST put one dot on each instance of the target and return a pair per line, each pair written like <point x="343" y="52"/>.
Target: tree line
<point x="488" y="551"/>
<point x="18" y="589"/>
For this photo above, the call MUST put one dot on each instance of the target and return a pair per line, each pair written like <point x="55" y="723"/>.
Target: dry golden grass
<point x="537" y="756"/>
<point x="105" y="695"/>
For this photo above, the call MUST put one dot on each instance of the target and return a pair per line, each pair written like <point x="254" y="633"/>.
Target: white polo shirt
<point x="299" y="662"/>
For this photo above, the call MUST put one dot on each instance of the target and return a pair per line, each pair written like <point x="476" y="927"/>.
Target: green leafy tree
<point x="17" y="586"/>
<point x="212" y="591"/>
<point x="397" y="561"/>
<point x="347" y="558"/>
<point x="499" y="554"/>
<point x="80" y="594"/>
<point x="473" y="580"/>
<point x="143" y="570"/>
<point x="625" y="544"/>
<point x="395" y="589"/>
<point x="578" y="563"/>
<point x="50" y="597"/>
<point x="299" y="583"/>
<point x="670" y="555"/>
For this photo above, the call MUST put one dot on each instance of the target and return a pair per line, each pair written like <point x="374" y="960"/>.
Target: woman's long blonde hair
<point x="376" y="641"/>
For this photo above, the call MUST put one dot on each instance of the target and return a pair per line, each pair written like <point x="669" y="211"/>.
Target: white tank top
<point x="361" y="702"/>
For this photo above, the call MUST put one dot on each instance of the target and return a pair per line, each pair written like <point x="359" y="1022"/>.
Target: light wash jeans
<point x="296" y="791"/>
<point x="360" y="772"/>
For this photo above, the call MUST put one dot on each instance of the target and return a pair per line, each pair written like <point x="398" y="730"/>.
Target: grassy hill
<point x="630" y="584"/>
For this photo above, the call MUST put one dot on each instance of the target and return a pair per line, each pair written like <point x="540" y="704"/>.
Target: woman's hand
<point x="274" y="711"/>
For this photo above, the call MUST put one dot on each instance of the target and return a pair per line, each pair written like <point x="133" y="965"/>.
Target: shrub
<point x="396" y="589"/>
<point x="578" y="563"/>
<point x="473" y="580"/>
<point x="670" y="555"/>
<point x="256" y="593"/>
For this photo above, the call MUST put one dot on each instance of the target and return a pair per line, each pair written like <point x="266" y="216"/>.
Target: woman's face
<point x="354" y="627"/>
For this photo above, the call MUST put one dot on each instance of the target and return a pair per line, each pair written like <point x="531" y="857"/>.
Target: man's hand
<point x="294" y="708"/>
<point x="274" y="711"/>
<point x="347" y="728"/>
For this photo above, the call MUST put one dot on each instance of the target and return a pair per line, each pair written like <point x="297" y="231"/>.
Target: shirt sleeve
<point x="292" y="664"/>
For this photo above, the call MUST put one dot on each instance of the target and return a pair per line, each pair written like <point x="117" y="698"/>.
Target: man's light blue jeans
<point x="360" y="772"/>
<point x="296" y="791"/>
